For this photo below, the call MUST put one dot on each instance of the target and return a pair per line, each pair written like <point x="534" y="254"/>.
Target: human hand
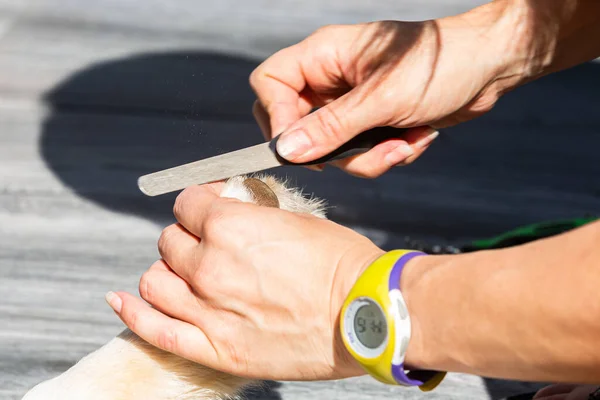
<point x="403" y="74"/>
<point x="248" y="290"/>
<point x="566" y="392"/>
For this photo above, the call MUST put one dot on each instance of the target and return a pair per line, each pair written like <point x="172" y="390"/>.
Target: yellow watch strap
<point x="379" y="285"/>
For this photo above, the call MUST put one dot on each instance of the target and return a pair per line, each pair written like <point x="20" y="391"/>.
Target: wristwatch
<point x="375" y="324"/>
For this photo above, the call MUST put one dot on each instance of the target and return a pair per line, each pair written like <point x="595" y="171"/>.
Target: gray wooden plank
<point x="93" y="94"/>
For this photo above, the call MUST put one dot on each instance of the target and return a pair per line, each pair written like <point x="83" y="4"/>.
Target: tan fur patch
<point x="261" y="193"/>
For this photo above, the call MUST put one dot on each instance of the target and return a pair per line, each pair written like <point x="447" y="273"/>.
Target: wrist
<point x="350" y="267"/>
<point x="509" y="44"/>
<point x="527" y="36"/>
<point x="532" y="38"/>
<point x="439" y="295"/>
<point x="514" y="40"/>
<point x="380" y="341"/>
<point x="414" y="285"/>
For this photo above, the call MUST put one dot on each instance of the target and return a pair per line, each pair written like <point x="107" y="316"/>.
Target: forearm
<point x="531" y="38"/>
<point x="556" y="34"/>
<point x="530" y="312"/>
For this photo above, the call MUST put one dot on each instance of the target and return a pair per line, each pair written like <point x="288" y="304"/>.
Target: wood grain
<point x="95" y="94"/>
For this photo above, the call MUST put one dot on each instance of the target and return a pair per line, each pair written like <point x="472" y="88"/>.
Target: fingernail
<point x="293" y="144"/>
<point x="399" y="154"/>
<point x="427" y="139"/>
<point x="114" y="301"/>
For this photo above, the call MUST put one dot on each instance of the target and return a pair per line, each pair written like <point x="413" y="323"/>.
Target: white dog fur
<point x="128" y="368"/>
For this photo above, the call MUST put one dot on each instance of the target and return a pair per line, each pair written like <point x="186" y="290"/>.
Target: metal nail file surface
<point x="249" y="160"/>
<point x="253" y="159"/>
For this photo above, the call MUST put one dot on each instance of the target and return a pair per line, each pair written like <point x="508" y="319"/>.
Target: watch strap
<point x="425" y="379"/>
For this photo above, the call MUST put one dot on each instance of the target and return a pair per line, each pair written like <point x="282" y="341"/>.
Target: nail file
<point x="252" y="159"/>
<point x="245" y="161"/>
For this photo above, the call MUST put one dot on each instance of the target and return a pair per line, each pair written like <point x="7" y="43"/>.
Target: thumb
<point x="327" y="128"/>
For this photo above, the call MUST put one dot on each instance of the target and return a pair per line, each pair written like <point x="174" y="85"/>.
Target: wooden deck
<point x="94" y="94"/>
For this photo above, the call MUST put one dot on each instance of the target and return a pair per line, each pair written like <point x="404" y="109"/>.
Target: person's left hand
<point x="565" y="392"/>
<point x="248" y="290"/>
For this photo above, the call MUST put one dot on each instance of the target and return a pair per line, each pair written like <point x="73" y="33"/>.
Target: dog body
<point x="129" y="368"/>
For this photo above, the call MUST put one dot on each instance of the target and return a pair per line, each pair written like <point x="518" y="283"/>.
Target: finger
<point x="170" y="294"/>
<point x="160" y="265"/>
<point x="262" y="119"/>
<point x="277" y="83"/>
<point x="166" y="333"/>
<point x="419" y="139"/>
<point x="315" y="97"/>
<point x="332" y="125"/>
<point x="551" y="390"/>
<point x="194" y="204"/>
<point x="178" y="247"/>
<point x="389" y="154"/>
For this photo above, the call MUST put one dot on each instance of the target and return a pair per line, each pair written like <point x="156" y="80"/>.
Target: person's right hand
<point x="402" y="74"/>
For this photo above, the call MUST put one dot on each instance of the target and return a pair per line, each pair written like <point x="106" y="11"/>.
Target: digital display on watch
<point x="370" y="325"/>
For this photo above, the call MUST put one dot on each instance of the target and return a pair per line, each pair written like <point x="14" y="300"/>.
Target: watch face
<point x="370" y="325"/>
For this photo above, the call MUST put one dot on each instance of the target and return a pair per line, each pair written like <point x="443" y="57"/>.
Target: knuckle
<point x="165" y="238"/>
<point x="366" y="170"/>
<point x="201" y="284"/>
<point x="330" y="125"/>
<point x="389" y="95"/>
<point x="146" y="286"/>
<point x="205" y="282"/>
<point x="179" y="204"/>
<point x="239" y="362"/>
<point x="368" y="173"/>
<point x="168" y="340"/>
<point x="200" y="275"/>
<point x="182" y="200"/>
<point x="327" y="29"/>
<point x="255" y="77"/>
<point x="408" y="161"/>
<point x="322" y="42"/>
<point x="236" y="356"/>
<point x="373" y="173"/>
<point x="212" y="281"/>
<point x="213" y="223"/>
<point x="268" y="67"/>
<point x="256" y="109"/>
<point x="134" y="320"/>
<point x="159" y="265"/>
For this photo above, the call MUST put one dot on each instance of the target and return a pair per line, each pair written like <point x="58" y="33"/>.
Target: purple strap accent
<point x="394" y="283"/>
